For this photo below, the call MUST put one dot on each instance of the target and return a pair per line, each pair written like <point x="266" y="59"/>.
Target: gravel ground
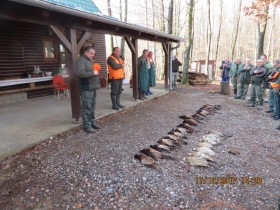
<point x="75" y="170"/>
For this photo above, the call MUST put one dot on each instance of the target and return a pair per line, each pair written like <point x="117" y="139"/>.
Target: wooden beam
<point x="61" y="37"/>
<point x="84" y="37"/>
<point x="25" y="89"/>
<point x="135" y="68"/>
<point x="130" y="44"/>
<point x="45" y="13"/>
<point x="164" y="48"/>
<point x="88" y="23"/>
<point x="117" y="28"/>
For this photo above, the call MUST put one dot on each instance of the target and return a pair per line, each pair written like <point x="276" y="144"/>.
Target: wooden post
<point x="73" y="80"/>
<point x="69" y="41"/>
<point x="133" y="46"/>
<point x="166" y="48"/>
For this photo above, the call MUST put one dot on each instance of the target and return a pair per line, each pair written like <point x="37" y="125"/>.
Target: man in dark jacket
<point x="226" y="64"/>
<point x="258" y="74"/>
<point x="244" y="79"/>
<point x="89" y="83"/>
<point x="274" y="83"/>
<point x="175" y="71"/>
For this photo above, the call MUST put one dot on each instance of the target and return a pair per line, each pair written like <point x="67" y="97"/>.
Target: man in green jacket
<point x="271" y="107"/>
<point x="89" y="83"/>
<point x="258" y="74"/>
<point x="244" y="79"/>
<point x="143" y="76"/>
<point x="274" y="81"/>
<point x="234" y="69"/>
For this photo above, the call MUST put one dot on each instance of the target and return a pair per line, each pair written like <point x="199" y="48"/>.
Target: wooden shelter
<point x="47" y="32"/>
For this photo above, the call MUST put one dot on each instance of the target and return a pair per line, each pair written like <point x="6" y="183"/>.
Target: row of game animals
<point x="176" y="137"/>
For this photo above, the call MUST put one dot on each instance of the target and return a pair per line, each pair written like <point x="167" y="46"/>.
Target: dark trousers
<point x="88" y="107"/>
<point x="277" y="103"/>
<point x="116" y="87"/>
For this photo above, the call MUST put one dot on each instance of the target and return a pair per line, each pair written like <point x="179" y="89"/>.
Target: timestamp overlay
<point x="215" y="180"/>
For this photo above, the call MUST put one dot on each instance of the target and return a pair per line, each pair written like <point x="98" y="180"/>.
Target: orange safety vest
<point x="274" y="84"/>
<point x="116" y="73"/>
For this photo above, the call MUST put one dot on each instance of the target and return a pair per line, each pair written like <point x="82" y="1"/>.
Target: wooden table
<point x="31" y="81"/>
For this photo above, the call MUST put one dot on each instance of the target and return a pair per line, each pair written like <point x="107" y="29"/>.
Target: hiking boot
<point x="251" y="105"/>
<point x="114" y="103"/>
<point x="237" y="97"/>
<point x="260" y="107"/>
<point x="243" y="98"/>
<point x="89" y="130"/>
<point x="118" y="102"/>
<point x="268" y="111"/>
<point x="95" y="126"/>
<point x="144" y="97"/>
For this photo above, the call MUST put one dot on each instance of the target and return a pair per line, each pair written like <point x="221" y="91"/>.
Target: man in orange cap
<point x="116" y="75"/>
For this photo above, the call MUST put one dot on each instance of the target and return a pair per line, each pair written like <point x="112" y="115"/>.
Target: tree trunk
<point x="270" y="34"/>
<point x="237" y="29"/>
<point x="170" y="16"/>
<point x="209" y="35"/>
<point x="110" y="14"/>
<point x="124" y="19"/>
<point x="218" y="38"/>
<point x="261" y="30"/>
<point x="162" y="16"/>
<point x="155" y="47"/>
<point x="189" y="41"/>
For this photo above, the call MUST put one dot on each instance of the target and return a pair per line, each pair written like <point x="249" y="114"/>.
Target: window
<point x="62" y="56"/>
<point x="50" y="49"/>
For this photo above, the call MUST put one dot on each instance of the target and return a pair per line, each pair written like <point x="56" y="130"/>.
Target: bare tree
<point x="271" y="31"/>
<point x="219" y="35"/>
<point x="189" y="33"/>
<point x="110" y="14"/>
<point x="170" y="16"/>
<point x="237" y="19"/>
<point x="124" y="19"/>
<point x="208" y="37"/>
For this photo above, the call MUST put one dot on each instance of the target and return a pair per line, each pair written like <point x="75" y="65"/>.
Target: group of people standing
<point x="261" y="77"/>
<point x="89" y="81"/>
<point x="146" y="74"/>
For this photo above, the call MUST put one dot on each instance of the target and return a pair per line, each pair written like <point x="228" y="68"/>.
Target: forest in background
<point x="212" y="29"/>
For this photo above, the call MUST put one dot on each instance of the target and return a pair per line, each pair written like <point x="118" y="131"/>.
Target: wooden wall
<point x="98" y="42"/>
<point x="21" y="47"/>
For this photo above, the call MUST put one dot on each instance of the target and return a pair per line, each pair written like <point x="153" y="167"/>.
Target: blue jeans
<point x="271" y="100"/>
<point x="225" y="79"/>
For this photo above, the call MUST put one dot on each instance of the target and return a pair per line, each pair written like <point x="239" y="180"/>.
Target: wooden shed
<point x="52" y="34"/>
<point x="199" y="66"/>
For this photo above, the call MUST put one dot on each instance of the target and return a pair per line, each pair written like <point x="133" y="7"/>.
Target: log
<point x="224" y="88"/>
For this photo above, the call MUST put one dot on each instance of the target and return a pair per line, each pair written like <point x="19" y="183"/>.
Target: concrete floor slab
<point x="25" y="123"/>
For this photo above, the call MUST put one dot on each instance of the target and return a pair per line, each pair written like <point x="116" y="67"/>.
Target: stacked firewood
<point x="196" y="78"/>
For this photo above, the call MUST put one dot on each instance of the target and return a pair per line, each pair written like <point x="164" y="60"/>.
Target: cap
<point x="96" y="66"/>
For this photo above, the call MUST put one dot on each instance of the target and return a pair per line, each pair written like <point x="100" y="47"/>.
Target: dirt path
<point x="97" y="171"/>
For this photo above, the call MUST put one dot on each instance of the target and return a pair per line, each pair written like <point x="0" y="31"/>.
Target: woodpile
<point x="196" y="78"/>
